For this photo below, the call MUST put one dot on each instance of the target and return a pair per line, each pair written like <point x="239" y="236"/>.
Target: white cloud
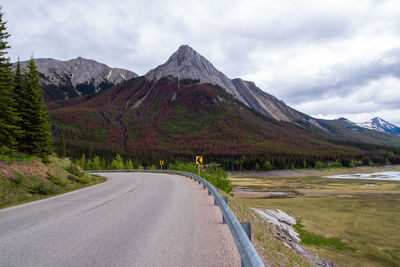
<point x="300" y="51"/>
<point x="377" y="98"/>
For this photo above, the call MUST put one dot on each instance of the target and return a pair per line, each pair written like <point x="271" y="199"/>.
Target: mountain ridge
<point x="380" y="125"/>
<point x="75" y="77"/>
<point x="187" y="63"/>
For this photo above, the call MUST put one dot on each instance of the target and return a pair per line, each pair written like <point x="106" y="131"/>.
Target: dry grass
<point x="27" y="180"/>
<point x="364" y="217"/>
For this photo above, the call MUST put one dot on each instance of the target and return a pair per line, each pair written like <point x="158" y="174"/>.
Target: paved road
<point x="134" y="219"/>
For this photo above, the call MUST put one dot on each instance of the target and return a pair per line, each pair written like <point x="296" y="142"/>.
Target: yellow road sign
<point x="199" y="160"/>
<point x="161" y="162"/>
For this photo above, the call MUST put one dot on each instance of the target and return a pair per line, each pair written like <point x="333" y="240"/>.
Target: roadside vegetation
<point x="348" y="221"/>
<point x="24" y="179"/>
<point x="272" y="251"/>
<point x="214" y="174"/>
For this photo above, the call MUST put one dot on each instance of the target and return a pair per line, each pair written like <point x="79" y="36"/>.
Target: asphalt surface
<point x="134" y="219"/>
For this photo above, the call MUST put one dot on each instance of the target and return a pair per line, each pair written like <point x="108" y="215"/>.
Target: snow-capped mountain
<point x="380" y="125"/>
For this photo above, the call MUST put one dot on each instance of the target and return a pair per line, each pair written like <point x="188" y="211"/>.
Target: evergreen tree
<point x="82" y="162"/>
<point x="9" y="130"/>
<point x="129" y="165"/>
<point x="89" y="164"/>
<point x="61" y="146"/>
<point x="104" y="165"/>
<point x="117" y="163"/>
<point x="96" y="165"/>
<point x="35" y="120"/>
<point x="267" y="166"/>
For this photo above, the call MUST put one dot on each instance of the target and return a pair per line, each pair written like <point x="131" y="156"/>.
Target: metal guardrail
<point x="248" y="254"/>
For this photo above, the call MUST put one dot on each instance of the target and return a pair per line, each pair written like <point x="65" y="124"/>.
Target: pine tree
<point x="128" y="165"/>
<point x="104" y="165"/>
<point x="117" y="163"/>
<point x="89" y="164"/>
<point x="61" y="146"/>
<point x="37" y="138"/>
<point x="82" y="162"/>
<point x="9" y="130"/>
<point x="96" y="163"/>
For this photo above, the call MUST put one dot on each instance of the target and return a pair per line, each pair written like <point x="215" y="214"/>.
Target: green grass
<point x="272" y="251"/>
<point x="341" y="220"/>
<point x="18" y="157"/>
<point x="27" y="180"/>
<point x="309" y="238"/>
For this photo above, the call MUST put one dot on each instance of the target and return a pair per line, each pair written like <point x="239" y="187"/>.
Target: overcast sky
<point x="328" y="59"/>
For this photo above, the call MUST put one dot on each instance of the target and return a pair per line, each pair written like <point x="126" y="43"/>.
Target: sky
<point x="328" y="59"/>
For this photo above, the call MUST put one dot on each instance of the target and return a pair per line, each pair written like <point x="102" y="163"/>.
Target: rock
<point x="282" y="221"/>
<point x="186" y="63"/>
<point x="77" y="76"/>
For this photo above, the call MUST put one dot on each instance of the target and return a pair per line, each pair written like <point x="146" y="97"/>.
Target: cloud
<point x="304" y="52"/>
<point x="380" y="97"/>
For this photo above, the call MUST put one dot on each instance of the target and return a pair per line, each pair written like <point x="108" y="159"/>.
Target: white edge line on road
<point x="61" y="195"/>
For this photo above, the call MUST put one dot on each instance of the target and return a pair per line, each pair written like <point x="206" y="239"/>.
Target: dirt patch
<point x="8" y="170"/>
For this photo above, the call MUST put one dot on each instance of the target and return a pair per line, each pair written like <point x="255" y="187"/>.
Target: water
<point x="384" y="176"/>
<point x="276" y="193"/>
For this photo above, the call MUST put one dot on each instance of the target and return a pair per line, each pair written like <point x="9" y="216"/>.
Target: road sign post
<point x="199" y="161"/>
<point x="161" y="163"/>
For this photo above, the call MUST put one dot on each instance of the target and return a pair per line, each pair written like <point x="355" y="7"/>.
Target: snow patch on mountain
<point x="380" y="125"/>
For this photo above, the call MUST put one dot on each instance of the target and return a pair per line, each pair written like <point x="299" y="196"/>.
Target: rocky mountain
<point x="75" y="77"/>
<point x="380" y="125"/>
<point x="186" y="63"/>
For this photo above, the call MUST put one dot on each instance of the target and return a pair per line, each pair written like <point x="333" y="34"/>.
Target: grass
<point x="309" y="238"/>
<point x="341" y="220"/>
<point x="272" y="251"/>
<point x="24" y="180"/>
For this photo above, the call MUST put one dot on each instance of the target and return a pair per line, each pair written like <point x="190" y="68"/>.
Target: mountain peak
<point x="379" y="124"/>
<point x="78" y="76"/>
<point x="186" y="63"/>
<point x="185" y="48"/>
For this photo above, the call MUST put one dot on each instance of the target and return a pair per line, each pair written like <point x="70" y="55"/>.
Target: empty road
<point x="134" y="219"/>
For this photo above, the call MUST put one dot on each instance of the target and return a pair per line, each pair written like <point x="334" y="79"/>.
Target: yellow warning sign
<point x="199" y="160"/>
<point x="161" y="162"/>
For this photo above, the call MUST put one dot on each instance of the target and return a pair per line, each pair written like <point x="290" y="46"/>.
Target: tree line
<point x="24" y="121"/>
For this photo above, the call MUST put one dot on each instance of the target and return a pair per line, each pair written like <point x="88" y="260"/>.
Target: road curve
<point x="134" y="219"/>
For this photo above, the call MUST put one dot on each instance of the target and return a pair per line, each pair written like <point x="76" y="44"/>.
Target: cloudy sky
<point x="328" y="59"/>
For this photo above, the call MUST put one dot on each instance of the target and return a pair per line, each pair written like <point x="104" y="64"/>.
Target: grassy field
<point x="345" y="221"/>
<point x="28" y="178"/>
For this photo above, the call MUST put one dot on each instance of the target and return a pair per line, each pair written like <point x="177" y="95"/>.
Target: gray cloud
<point x="301" y="51"/>
<point x="342" y="80"/>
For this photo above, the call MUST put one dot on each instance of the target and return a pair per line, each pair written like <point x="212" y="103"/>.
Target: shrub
<point x="153" y="167"/>
<point x="43" y="188"/>
<point x="56" y="180"/>
<point x="18" y="179"/>
<point x="75" y="170"/>
<point x="83" y="180"/>
<point x="319" y="165"/>
<point x="72" y="178"/>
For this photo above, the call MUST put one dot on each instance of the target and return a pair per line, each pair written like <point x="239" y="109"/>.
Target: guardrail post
<point x="198" y="181"/>
<point x="226" y="201"/>
<point x="247" y="229"/>
<point x="209" y="193"/>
